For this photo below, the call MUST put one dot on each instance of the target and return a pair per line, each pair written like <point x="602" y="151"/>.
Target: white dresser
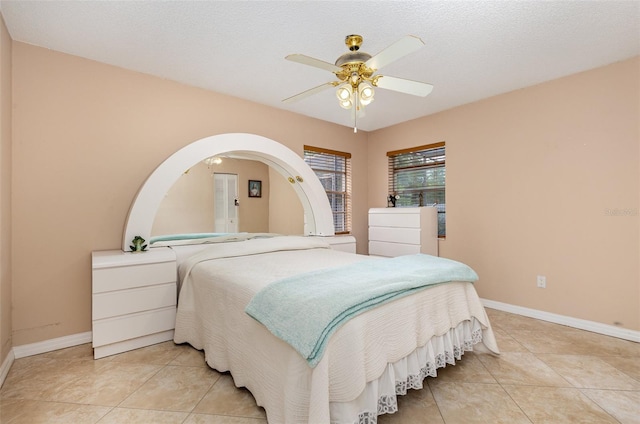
<point x="403" y="231"/>
<point x="134" y="299"/>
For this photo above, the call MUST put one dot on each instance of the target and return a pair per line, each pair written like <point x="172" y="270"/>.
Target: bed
<point x="366" y="362"/>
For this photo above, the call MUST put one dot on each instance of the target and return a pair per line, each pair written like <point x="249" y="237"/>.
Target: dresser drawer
<point x="111" y="330"/>
<point x="405" y="220"/>
<point x="125" y="277"/>
<point x="380" y="248"/>
<point x="112" y="304"/>
<point x="395" y="235"/>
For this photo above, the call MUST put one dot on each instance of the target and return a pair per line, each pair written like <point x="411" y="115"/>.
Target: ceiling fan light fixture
<point x="346" y="104"/>
<point x="213" y="160"/>
<point x="366" y="92"/>
<point x="344" y="92"/>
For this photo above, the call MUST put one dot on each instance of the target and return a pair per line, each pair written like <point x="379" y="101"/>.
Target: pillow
<point x="204" y="238"/>
<point x="180" y="239"/>
<point x="186" y="251"/>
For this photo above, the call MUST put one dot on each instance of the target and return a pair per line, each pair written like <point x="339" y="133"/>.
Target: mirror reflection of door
<point x="225" y="203"/>
<point x="188" y="206"/>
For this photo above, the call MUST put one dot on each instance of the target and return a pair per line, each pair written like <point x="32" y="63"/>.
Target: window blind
<point x="417" y="176"/>
<point x="333" y="169"/>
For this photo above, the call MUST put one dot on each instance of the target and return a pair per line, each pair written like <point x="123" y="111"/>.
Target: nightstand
<point x="134" y="299"/>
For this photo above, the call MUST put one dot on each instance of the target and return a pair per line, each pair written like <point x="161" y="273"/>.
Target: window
<point x="417" y="176"/>
<point x="333" y="168"/>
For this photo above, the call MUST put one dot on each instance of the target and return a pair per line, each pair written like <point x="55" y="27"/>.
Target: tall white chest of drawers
<point x="134" y="299"/>
<point x="403" y="231"/>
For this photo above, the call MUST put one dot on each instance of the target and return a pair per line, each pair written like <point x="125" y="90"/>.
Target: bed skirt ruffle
<point x="380" y="396"/>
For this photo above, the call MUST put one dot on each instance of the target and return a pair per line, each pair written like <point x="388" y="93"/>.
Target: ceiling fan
<point x="356" y="70"/>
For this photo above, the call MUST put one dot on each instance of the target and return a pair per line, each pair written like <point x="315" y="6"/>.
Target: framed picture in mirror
<point x="255" y="188"/>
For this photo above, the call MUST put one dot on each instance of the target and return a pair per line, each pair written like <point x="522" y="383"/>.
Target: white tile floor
<point x="546" y="373"/>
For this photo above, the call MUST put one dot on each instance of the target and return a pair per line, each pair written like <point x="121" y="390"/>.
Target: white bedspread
<point x="211" y="316"/>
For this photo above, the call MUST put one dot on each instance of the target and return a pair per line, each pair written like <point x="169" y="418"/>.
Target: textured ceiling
<point x="473" y="50"/>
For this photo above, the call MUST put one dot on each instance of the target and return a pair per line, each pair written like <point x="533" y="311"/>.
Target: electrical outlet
<point x="541" y="281"/>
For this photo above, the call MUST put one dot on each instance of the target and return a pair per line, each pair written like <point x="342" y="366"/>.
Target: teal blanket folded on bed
<point x="304" y="310"/>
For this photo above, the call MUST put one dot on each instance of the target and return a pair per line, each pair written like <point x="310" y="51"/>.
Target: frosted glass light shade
<point x="366" y="93"/>
<point x="344" y="92"/>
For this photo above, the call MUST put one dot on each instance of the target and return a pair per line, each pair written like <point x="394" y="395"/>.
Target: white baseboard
<point x="6" y="366"/>
<point x="52" y="344"/>
<point x="595" y="327"/>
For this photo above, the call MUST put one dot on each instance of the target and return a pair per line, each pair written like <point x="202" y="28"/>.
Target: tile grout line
<point x="571" y="385"/>
<point x="205" y="394"/>
<point x="144" y="382"/>
<point x="126" y="397"/>
<point x="434" y="398"/>
<point x="502" y="387"/>
<point x="500" y="384"/>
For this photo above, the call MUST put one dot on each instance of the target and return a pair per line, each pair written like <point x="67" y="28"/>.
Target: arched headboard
<point x="318" y="219"/>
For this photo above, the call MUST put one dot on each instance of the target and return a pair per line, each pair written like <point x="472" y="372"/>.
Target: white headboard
<point x="318" y="219"/>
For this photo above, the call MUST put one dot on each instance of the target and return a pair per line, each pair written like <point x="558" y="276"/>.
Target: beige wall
<point x="534" y="180"/>
<point x="85" y="137"/>
<point x="5" y="192"/>
<point x="188" y="207"/>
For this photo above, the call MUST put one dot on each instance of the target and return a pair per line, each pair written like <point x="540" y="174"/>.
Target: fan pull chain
<point x="355" y="115"/>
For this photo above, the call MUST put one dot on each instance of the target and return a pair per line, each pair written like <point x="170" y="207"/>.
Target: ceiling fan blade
<point x="317" y="63"/>
<point x="400" y="48"/>
<point x="402" y="85"/>
<point x="309" y="92"/>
